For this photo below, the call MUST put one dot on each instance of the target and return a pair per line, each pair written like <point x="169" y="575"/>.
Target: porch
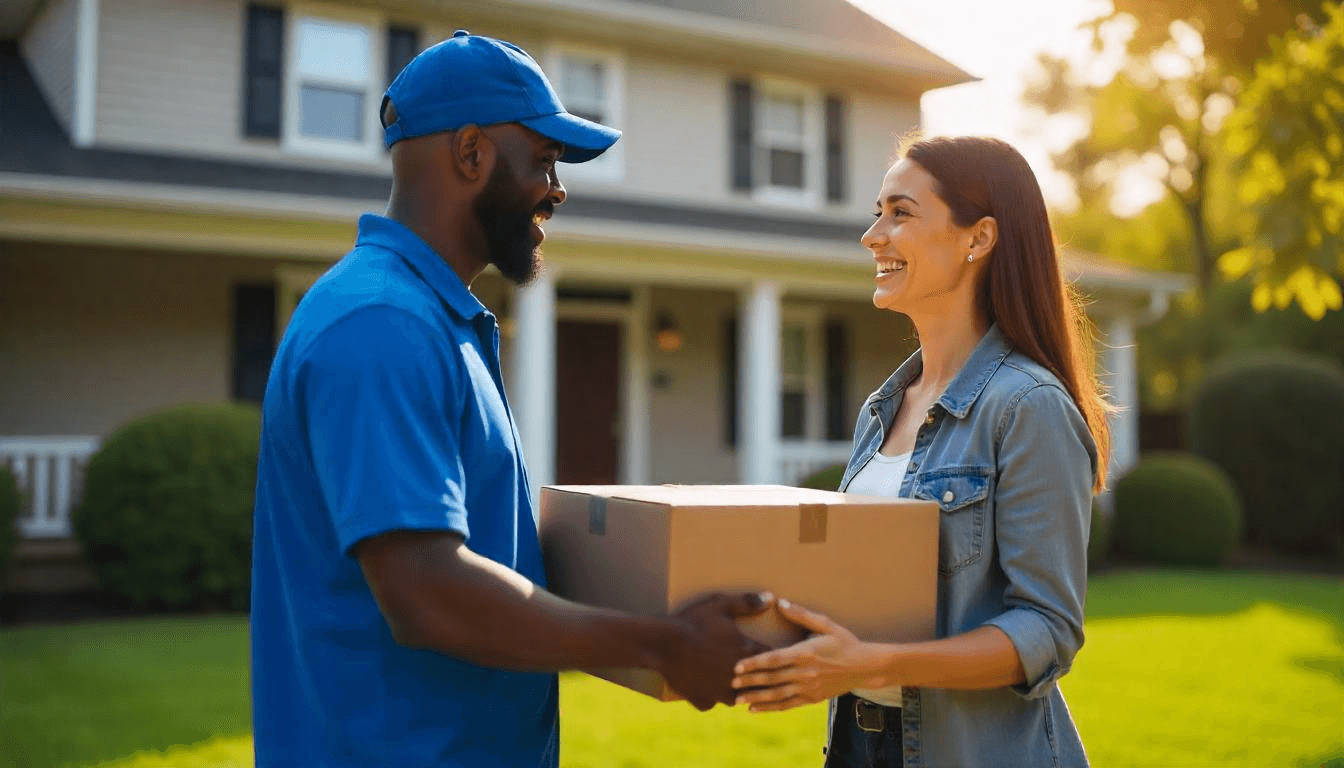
<point x="50" y="474"/>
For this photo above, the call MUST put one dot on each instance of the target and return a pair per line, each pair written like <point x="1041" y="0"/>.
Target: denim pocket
<point x="962" y="494"/>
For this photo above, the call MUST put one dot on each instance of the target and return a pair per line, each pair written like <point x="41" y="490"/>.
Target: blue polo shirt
<point x="385" y="411"/>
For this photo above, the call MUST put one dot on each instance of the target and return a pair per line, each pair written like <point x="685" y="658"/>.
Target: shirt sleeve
<point x="1043" y="503"/>
<point x="378" y="395"/>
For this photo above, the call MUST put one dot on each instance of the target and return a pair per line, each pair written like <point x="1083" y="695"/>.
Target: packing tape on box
<point x="597" y="515"/>
<point x="811" y="523"/>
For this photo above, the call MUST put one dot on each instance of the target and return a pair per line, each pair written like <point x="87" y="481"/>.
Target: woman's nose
<point x="875" y="237"/>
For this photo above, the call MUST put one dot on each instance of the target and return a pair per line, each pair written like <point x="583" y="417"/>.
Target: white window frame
<point x="814" y="414"/>
<point x="610" y="165"/>
<point x="809" y="196"/>
<point x="370" y="149"/>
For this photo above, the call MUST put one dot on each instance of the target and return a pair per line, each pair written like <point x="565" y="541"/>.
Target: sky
<point x="997" y="41"/>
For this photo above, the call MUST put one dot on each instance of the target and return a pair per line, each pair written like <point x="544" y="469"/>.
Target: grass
<point x="1180" y="669"/>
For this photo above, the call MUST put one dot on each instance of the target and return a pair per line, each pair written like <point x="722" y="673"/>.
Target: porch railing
<point x="50" y="472"/>
<point x="800" y="458"/>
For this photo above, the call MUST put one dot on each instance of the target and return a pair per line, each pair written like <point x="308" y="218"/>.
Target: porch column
<point x="635" y="404"/>
<point x="758" y="397"/>
<point x="533" y="387"/>
<point x="1122" y="377"/>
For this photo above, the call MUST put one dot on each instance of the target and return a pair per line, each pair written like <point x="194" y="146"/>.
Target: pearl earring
<point x="970" y="257"/>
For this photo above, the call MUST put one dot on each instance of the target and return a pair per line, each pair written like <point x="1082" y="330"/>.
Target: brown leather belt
<point x="875" y="718"/>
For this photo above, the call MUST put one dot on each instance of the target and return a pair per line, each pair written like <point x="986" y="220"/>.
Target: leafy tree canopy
<point x="1287" y="134"/>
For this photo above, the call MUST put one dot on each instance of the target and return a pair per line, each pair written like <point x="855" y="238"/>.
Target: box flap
<point x="735" y="496"/>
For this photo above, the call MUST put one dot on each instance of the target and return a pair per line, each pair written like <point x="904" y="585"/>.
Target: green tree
<point x="1184" y="64"/>
<point x="1287" y="134"/>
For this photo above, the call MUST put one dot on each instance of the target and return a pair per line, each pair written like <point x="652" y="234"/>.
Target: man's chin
<point x="525" y="275"/>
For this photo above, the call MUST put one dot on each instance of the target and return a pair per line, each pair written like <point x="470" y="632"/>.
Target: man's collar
<point x="394" y="236"/>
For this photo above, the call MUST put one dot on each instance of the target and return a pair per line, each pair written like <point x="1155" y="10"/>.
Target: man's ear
<point x="473" y="153"/>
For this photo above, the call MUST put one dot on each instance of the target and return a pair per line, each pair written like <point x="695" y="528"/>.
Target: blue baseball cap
<point x="472" y="79"/>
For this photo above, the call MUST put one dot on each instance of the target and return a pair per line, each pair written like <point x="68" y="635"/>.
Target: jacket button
<point x="948" y="496"/>
<point x="928" y="420"/>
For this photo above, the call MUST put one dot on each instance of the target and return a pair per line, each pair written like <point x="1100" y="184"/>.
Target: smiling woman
<point x="996" y="418"/>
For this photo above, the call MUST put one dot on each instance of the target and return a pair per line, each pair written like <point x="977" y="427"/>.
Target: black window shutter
<point x="262" y="75"/>
<point x="403" y="43"/>
<point x="730" y="381"/>
<point x="253" y="339"/>
<point x="837" y="381"/>
<point x="740" y="103"/>
<point x="835" y="148"/>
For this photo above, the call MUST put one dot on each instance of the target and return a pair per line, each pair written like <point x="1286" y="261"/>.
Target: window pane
<point x="786" y="168"/>
<point x="793" y="414"/>
<point x="794" y="350"/>
<point x="331" y="113"/>
<point x="582" y="81"/>
<point x="333" y="51"/>
<point x="784" y="117"/>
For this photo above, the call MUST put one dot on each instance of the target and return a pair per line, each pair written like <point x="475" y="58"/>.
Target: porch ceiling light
<point x="668" y="335"/>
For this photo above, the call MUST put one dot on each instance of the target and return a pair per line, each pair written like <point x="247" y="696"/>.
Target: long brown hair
<point x="1022" y="289"/>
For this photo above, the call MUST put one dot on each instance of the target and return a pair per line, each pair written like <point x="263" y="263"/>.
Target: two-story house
<point x="175" y="173"/>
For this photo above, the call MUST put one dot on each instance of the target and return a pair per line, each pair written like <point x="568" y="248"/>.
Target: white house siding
<point x="687" y="415"/>
<point x="875" y="125"/>
<point x="676" y="137"/>
<point x="94" y="337"/>
<point x="676" y="131"/>
<point x="49" y="49"/>
<point x="170" y="80"/>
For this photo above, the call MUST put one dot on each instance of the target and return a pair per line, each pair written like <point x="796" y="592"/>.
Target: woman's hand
<point x="830" y="662"/>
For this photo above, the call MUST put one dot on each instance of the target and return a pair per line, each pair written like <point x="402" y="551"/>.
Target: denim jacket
<point x="1010" y="461"/>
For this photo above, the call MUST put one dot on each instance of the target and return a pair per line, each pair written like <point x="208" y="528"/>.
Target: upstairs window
<point x="782" y="141"/>
<point x="332" y="79"/>
<point x="787" y="143"/>
<point x="591" y="82"/>
<point x="313" y="79"/>
<point x="583" y="87"/>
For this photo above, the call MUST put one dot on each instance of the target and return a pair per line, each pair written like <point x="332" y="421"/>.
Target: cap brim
<point x="583" y="139"/>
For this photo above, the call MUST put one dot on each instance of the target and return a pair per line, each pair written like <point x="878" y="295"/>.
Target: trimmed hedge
<point x="827" y="479"/>
<point x="1099" y="536"/>
<point x="10" y="502"/>
<point x="1275" y="423"/>
<point x="166" y="519"/>
<point x="1176" y="509"/>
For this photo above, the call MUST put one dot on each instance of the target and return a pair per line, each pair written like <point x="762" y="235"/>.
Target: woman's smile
<point x="889" y="268"/>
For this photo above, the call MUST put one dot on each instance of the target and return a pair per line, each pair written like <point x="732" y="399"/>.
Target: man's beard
<point x="505" y="217"/>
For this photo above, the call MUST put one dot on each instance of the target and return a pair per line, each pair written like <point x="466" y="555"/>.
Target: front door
<point x="587" y="402"/>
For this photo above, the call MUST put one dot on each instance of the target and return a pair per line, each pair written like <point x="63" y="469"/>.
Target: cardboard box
<point x="869" y="563"/>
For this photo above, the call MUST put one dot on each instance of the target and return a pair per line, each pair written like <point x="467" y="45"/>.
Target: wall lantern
<point x="668" y="335"/>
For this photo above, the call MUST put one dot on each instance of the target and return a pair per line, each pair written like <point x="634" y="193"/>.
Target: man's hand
<point x="699" y="666"/>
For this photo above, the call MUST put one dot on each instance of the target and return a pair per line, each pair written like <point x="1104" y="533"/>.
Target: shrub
<point x="1099" y="538"/>
<point x="1275" y="423"/>
<point x="166" y="519"/>
<point x="10" y="502"/>
<point x="1176" y="509"/>
<point x="827" y="479"/>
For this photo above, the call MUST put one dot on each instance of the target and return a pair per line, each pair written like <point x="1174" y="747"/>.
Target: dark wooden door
<point x="587" y="402"/>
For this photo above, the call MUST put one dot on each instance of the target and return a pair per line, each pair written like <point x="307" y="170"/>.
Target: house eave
<point x="748" y="46"/>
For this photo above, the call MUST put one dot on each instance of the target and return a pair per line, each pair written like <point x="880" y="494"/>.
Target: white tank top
<point x="881" y="476"/>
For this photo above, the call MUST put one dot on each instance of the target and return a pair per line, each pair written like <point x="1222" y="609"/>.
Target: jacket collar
<point x="970" y="381"/>
<point x="382" y="232"/>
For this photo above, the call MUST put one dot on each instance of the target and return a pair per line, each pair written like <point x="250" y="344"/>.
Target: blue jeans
<point x="852" y="747"/>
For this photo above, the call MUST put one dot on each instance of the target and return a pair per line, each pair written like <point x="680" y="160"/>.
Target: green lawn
<point x="1180" y="669"/>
